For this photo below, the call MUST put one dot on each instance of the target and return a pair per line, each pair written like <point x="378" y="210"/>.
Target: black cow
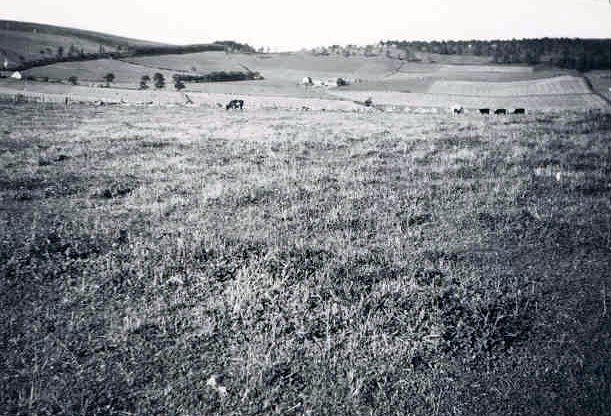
<point x="500" y="111"/>
<point x="484" y="111"/>
<point x="235" y="104"/>
<point x="519" y="111"/>
<point x="457" y="109"/>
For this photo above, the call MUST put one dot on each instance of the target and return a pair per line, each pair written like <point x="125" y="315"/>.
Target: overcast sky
<point x="288" y="25"/>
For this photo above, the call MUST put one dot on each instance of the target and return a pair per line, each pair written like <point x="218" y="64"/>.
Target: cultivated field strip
<point x="505" y="69"/>
<point x="562" y="85"/>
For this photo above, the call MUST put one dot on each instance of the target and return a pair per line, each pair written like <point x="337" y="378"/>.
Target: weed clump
<point x="115" y="189"/>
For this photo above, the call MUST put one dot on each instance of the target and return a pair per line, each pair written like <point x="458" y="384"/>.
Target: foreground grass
<point x="197" y="262"/>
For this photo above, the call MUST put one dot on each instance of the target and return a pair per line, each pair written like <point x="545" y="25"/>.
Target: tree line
<point x="218" y="76"/>
<point x="578" y="54"/>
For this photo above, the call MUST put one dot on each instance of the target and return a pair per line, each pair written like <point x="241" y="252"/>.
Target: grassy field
<point x="92" y="72"/>
<point x="198" y="262"/>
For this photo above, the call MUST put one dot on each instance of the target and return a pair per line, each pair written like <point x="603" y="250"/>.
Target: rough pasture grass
<point x="191" y="261"/>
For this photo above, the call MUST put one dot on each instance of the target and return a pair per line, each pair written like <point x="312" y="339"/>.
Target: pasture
<point x="194" y="261"/>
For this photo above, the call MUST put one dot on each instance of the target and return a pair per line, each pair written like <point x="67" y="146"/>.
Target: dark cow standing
<point x="500" y="111"/>
<point x="457" y="109"/>
<point x="235" y="104"/>
<point x="484" y="111"/>
<point x="519" y="111"/>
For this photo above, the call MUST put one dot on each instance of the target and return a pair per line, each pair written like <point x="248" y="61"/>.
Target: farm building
<point x="11" y="74"/>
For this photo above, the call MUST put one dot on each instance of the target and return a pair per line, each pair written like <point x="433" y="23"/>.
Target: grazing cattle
<point x="305" y="108"/>
<point x="368" y="102"/>
<point x="519" y="111"/>
<point x="484" y="111"/>
<point x="457" y="109"/>
<point x="235" y="104"/>
<point x="500" y="111"/>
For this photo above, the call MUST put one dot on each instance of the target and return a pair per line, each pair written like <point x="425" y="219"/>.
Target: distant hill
<point x="22" y="42"/>
<point x="26" y="45"/>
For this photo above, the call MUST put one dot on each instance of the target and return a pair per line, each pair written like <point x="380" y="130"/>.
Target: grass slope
<point x="23" y="39"/>
<point x="179" y="261"/>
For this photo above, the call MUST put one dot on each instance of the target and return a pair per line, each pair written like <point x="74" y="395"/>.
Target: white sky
<point x="289" y="25"/>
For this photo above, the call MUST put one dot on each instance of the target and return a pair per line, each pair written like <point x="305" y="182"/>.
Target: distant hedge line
<point x="220" y="76"/>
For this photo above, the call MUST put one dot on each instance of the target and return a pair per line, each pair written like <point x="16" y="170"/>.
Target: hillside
<point x="28" y="45"/>
<point x="24" y="42"/>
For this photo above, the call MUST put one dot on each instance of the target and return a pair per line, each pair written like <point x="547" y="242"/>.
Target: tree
<point x="159" y="80"/>
<point x="179" y="85"/>
<point x="73" y="50"/>
<point x="144" y="82"/>
<point x="110" y="77"/>
<point x="60" y="51"/>
<point x="73" y="80"/>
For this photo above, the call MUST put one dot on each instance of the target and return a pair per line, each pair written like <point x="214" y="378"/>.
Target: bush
<point x="220" y="76"/>
<point x="159" y="80"/>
